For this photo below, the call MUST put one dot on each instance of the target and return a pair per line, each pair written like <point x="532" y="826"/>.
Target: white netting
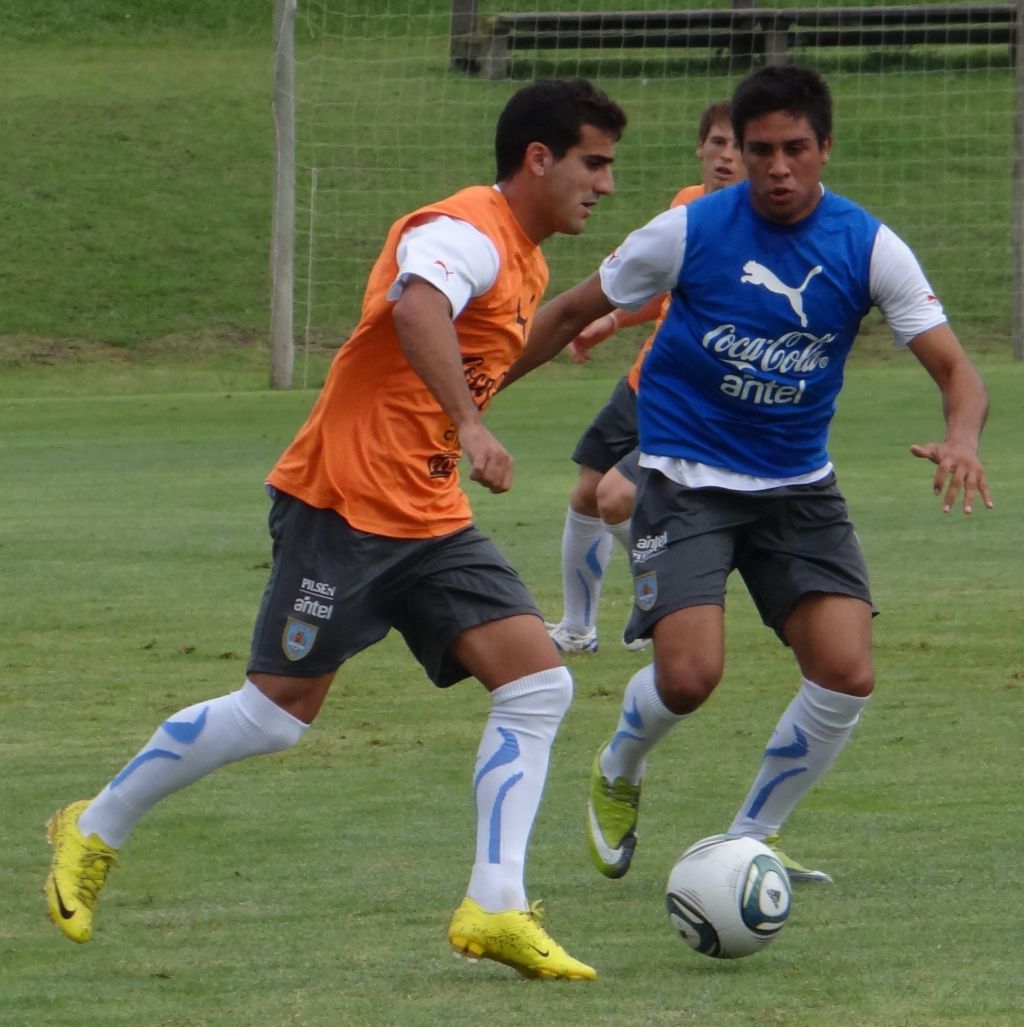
<point x="388" y="118"/>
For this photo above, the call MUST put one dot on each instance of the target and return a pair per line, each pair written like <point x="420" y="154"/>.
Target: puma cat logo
<point x="758" y="274"/>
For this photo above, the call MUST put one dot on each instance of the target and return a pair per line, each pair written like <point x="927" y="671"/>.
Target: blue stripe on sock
<point x="494" y="843"/>
<point x="764" y="793"/>
<point x="796" y="750"/>
<point x="592" y="561"/>
<point x="507" y="752"/>
<point x="632" y="717"/>
<point x="143" y="757"/>
<point x="587" y="597"/>
<point x="623" y="736"/>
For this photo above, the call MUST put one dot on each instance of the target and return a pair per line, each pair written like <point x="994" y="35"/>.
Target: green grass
<point x="139" y="181"/>
<point x="312" y="888"/>
<point x="129" y="19"/>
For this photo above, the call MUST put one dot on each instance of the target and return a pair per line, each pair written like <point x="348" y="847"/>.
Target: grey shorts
<point x="629" y="466"/>
<point x="784" y="542"/>
<point x="612" y="434"/>
<point x="334" y="591"/>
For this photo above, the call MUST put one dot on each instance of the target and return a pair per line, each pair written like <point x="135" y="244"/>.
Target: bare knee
<point x="855" y="676"/>
<point x="616" y="495"/>
<point x="831" y="639"/>
<point x="689" y="656"/>
<point x="583" y="499"/>
<point x="684" y="688"/>
<point x="301" y="697"/>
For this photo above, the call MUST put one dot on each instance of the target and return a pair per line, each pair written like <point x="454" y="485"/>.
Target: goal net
<point x="396" y="101"/>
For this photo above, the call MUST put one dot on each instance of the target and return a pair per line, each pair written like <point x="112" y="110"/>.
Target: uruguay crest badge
<point x="298" y="638"/>
<point x="645" y="588"/>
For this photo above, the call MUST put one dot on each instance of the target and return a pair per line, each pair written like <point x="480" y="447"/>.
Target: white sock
<point x="620" y="532"/>
<point x="643" y="722"/>
<point x="805" y="743"/>
<point x="511" y="768"/>
<point x="186" y="747"/>
<point x="586" y="550"/>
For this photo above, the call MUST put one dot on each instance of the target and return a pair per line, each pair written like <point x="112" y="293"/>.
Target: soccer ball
<point x="728" y="896"/>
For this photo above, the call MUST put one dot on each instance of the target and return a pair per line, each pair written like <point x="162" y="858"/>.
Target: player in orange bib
<point x="378" y="447"/>
<point x="601" y="502"/>
<point x="371" y="530"/>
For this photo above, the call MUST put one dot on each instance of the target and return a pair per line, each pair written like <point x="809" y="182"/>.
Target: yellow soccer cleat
<point x="77" y="874"/>
<point x="513" y="937"/>
<point x="797" y="872"/>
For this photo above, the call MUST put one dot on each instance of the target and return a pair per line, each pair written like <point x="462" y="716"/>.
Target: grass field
<point x="312" y="888"/>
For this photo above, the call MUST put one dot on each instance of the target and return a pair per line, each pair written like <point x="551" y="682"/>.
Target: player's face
<point x="720" y="163"/>
<point x="783" y="160"/>
<point x="577" y="181"/>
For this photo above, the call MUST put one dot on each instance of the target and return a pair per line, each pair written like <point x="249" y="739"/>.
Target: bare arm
<point x="557" y="323"/>
<point x="427" y="336"/>
<point x="965" y="407"/>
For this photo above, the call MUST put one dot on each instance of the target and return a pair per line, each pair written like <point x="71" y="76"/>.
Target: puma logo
<point x="758" y="274"/>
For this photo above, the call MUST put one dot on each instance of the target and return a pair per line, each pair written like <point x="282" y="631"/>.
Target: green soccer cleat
<point x="796" y="872"/>
<point x="611" y="821"/>
<point x="513" y="937"/>
<point x="77" y="874"/>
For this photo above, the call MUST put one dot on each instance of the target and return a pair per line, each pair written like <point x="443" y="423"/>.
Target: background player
<point x="602" y="499"/>
<point x="371" y="530"/>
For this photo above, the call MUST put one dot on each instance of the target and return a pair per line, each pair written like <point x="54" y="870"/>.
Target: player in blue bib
<point x="745" y="371"/>
<point x="734" y="405"/>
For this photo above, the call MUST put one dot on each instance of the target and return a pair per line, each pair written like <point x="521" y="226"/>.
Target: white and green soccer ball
<point x="728" y="896"/>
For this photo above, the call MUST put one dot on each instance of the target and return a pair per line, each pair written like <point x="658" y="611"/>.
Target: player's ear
<point x="826" y="149"/>
<point x="538" y="159"/>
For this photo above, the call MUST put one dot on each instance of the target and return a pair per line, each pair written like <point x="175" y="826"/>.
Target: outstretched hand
<point x="595" y="332"/>
<point x="963" y="470"/>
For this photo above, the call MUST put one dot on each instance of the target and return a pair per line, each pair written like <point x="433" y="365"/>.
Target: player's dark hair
<point x="715" y="114"/>
<point x="800" y="92"/>
<point x="552" y="112"/>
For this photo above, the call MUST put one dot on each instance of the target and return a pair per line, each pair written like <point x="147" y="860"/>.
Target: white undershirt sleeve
<point x="647" y="263"/>
<point x="900" y="290"/>
<point x="452" y="255"/>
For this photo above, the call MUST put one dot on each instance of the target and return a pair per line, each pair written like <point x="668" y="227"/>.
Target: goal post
<point x="1017" y="230"/>
<point x="282" y="246"/>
